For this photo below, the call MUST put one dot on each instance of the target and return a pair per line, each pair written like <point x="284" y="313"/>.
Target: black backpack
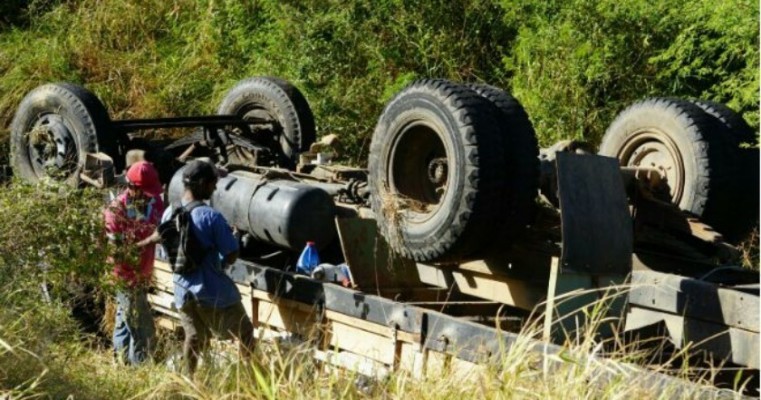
<point x="184" y="250"/>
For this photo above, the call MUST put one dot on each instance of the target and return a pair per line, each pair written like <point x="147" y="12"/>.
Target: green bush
<point x="53" y="232"/>
<point x="20" y="13"/>
<point x="578" y="63"/>
<point x="573" y="64"/>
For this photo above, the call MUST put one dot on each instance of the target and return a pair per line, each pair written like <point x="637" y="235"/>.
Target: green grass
<point x="573" y="64"/>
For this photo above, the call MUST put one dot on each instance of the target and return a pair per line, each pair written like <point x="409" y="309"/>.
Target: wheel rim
<point x="260" y="113"/>
<point x="420" y="170"/>
<point x="654" y="149"/>
<point x="277" y="141"/>
<point x="52" y="148"/>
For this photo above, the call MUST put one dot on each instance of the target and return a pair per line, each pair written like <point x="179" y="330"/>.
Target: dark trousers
<point x="200" y="322"/>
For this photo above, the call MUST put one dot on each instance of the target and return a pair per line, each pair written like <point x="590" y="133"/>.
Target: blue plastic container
<point x="308" y="259"/>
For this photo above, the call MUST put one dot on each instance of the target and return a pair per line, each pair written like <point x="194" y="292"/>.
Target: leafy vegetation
<point x="573" y="64"/>
<point x="576" y="64"/>
<point x="54" y="231"/>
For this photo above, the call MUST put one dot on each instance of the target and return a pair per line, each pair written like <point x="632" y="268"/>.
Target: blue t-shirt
<point x="208" y="284"/>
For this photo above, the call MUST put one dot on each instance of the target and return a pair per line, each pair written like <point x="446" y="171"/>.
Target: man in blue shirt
<point x="207" y="299"/>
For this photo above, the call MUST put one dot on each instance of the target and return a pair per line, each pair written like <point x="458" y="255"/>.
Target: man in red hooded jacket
<point x="131" y="219"/>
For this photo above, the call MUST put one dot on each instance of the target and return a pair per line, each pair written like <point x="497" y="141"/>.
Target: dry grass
<point x="42" y="355"/>
<point x="749" y="251"/>
<point x="394" y="209"/>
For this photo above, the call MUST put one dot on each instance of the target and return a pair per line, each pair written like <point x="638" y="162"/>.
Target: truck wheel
<point x="743" y="142"/>
<point x="55" y="126"/>
<point x="522" y="152"/>
<point x="291" y="129"/>
<point x="687" y="146"/>
<point x="739" y="130"/>
<point x="436" y="172"/>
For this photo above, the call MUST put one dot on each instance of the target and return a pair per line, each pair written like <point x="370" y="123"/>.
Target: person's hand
<point x="153" y="238"/>
<point x="237" y="233"/>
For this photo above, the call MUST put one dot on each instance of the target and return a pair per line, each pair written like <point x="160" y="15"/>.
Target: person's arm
<point x="225" y="241"/>
<point x="158" y="215"/>
<point x="153" y="238"/>
<point x="230" y="258"/>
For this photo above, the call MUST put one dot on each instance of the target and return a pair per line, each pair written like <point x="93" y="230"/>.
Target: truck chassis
<point x="631" y="225"/>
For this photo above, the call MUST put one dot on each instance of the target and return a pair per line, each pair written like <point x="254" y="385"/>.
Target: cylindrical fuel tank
<point x="280" y="212"/>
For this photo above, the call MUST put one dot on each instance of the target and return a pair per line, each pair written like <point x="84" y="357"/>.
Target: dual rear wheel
<point x="446" y="162"/>
<point x="701" y="149"/>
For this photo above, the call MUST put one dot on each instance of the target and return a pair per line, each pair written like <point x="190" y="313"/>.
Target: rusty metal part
<point x="655" y="150"/>
<point x="185" y="154"/>
<point x="660" y="223"/>
<point x="438" y="171"/>
<point x="721" y="321"/>
<point x="230" y="138"/>
<point x="209" y="121"/>
<point x="338" y="173"/>
<point x="98" y="170"/>
<point x="650" y="210"/>
<point x="52" y="147"/>
<point x="665" y="216"/>
<point x="650" y="180"/>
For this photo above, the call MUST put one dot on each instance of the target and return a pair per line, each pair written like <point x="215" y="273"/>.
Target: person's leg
<point x="122" y="335"/>
<point x="141" y="347"/>
<point x="232" y="322"/>
<point x="196" y="334"/>
<point x="245" y="332"/>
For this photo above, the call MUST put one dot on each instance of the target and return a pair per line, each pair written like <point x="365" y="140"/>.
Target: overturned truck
<point x="460" y="226"/>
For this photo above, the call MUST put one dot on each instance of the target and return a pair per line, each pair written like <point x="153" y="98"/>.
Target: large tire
<point x="55" y="126"/>
<point x="743" y="142"/>
<point x="436" y="172"/>
<point x="276" y="100"/>
<point x="522" y="157"/>
<point x="738" y="129"/>
<point x="688" y="146"/>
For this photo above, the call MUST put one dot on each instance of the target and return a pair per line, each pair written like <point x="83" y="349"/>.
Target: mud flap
<point x="596" y="222"/>
<point x="373" y="265"/>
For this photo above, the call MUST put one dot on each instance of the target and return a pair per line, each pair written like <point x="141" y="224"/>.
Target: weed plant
<point x="55" y="233"/>
<point x="573" y="64"/>
<point x="44" y="355"/>
<point x="749" y="250"/>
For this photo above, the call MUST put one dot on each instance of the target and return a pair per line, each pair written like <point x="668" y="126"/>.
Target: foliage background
<point x="573" y="64"/>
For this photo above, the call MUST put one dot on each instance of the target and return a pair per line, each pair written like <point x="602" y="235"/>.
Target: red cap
<point x="143" y="175"/>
